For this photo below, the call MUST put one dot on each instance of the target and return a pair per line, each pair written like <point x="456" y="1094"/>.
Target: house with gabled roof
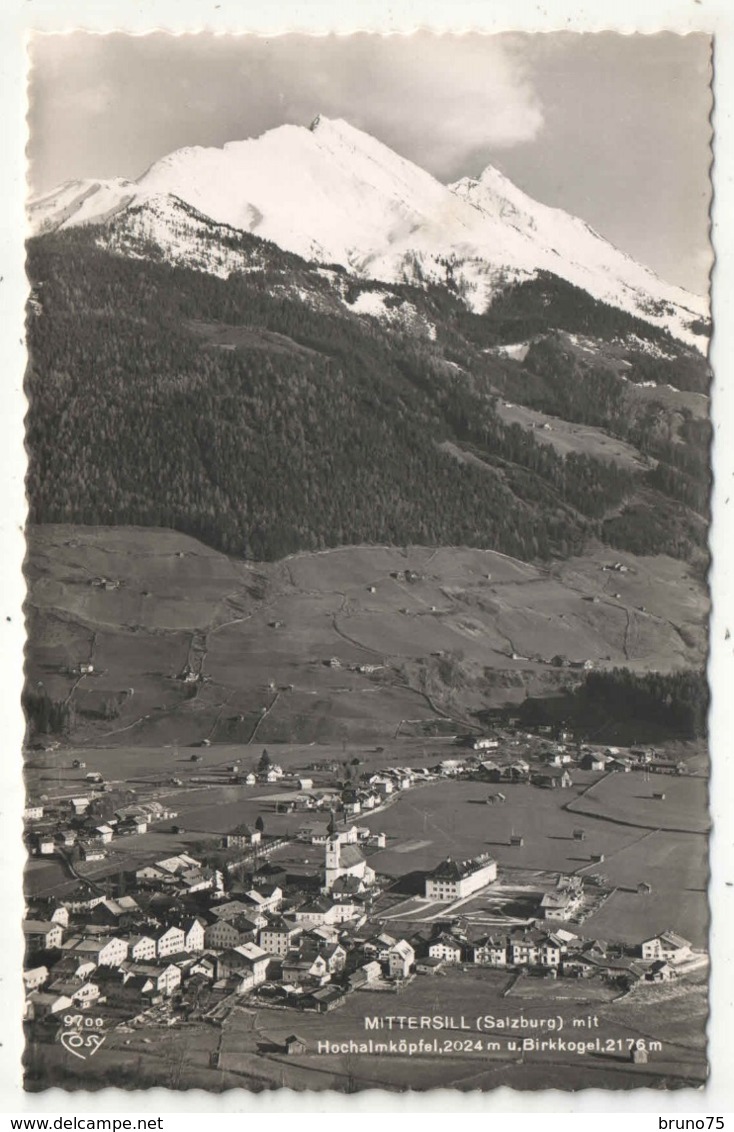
<point x="378" y="946"/>
<point x="550" y="951"/>
<point x="315" y="832"/>
<point x="660" y="972"/>
<point x="523" y="948"/>
<point x="104" y="951"/>
<point x="490" y="951"/>
<point x="299" y="969"/>
<point x="155" y="978"/>
<point x="400" y="959"/>
<point x="279" y="936"/>
<point x="242" y="836"/>
<point x="247" y="958"/>
<point x="668" y="946"/>
<point x="142" y="948"/>
<point x="593" y="760"/>
<point x="34" y="978"/>
<point x="169" y="941"/>
<point x="112" y="913"/>
<point x="205" y="966"/>
<point x="229" y="933"/>
<point x="192" y="927"/>
<point x="264" y="898"/>
<point x="559" y="905"/>
<point x="82" y="993"/>
<point x="42" y="935"/>
<point x="41" y="1004"/>
<point x="446" y="947"/>
<point x="552" y="778"/>
<point x="74" y="967"/>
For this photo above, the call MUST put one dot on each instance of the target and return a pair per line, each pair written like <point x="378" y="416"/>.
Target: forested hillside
<point x="260" y="415"/>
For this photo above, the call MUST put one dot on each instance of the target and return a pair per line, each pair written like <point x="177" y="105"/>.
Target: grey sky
<point x="612" y="128"/>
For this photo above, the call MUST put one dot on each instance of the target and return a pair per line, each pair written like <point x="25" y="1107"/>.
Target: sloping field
<point x="275" y="648"/>
<point x="676" y="867"/>
<point x="566" y="436"/>
<point x="630" y="798"/>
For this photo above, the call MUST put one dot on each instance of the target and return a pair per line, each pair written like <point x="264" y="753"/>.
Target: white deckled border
<point x="17" y="19"/>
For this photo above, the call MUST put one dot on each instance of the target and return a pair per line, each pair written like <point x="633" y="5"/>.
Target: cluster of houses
<point x="173" y="933"/>
<point x="178" y="933"/>
<point x="369" y="793"/>
<point x="74" y="825"/>
<point x="123" y="955"/>
<point x="548" y="760"/>
<point x="557" y="952"/>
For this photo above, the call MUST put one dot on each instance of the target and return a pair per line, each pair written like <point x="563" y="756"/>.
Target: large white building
<point x="453" y="879"/>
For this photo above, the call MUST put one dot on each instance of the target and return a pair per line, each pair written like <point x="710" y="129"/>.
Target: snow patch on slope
<point x="163" y="228"/>
<point x="383" y="306"/>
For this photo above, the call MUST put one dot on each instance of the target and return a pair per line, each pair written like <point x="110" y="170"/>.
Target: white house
<point x="34" y="978"/>
<point x="82" y="994"/>
<point x="247" y="958"/>
<point x="325" y="911"/>
<point x="60" y="915"/>
<point x="490" y="952"/>
<point x="400" y="959"/>
<point x="242" y="837"/>
<point x="314" y="968"/>
<point x="193" y="935"/>
<point x="265" y="899"/>
<point x="152" y="977"/>
<point x="446" y="947"/>
<point x="42" y="935"/>
<point x="105" y="951"/>
<point x="558" y="905"/>
<point x="169" y="941"/>
<point x="279" y="937"/>
<point x="550" y="952"/>
<point x="485" y="744"/>
<point x="39" y="1004"/>
<point x="668" y="946"/>
<point x="142" y="948"/>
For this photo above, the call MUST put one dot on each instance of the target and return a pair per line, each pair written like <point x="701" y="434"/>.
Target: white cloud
<point x="434" y="98"/>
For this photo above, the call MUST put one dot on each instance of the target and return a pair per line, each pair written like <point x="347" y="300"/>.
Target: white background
<point x="17" y="18"/>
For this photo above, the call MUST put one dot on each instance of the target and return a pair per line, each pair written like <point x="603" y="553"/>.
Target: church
<point x="345" y="860"/>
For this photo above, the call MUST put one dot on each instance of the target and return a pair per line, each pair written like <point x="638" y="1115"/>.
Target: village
<point x="298" y="918"/>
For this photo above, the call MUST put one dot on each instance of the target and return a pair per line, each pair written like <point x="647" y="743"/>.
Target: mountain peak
<point x="334" y="193"/>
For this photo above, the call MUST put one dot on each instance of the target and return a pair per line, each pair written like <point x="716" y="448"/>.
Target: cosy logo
<point x="80" y="1044"/>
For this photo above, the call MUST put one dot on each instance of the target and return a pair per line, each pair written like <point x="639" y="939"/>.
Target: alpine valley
<point x="304" y="349"/>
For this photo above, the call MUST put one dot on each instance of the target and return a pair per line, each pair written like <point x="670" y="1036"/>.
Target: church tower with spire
<point x="343" y="859"/>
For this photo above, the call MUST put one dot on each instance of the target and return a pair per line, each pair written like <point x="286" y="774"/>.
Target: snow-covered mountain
<point x="333" y="194"/>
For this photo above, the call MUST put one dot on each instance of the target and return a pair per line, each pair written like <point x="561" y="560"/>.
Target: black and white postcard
<point x="367" y="567"/>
